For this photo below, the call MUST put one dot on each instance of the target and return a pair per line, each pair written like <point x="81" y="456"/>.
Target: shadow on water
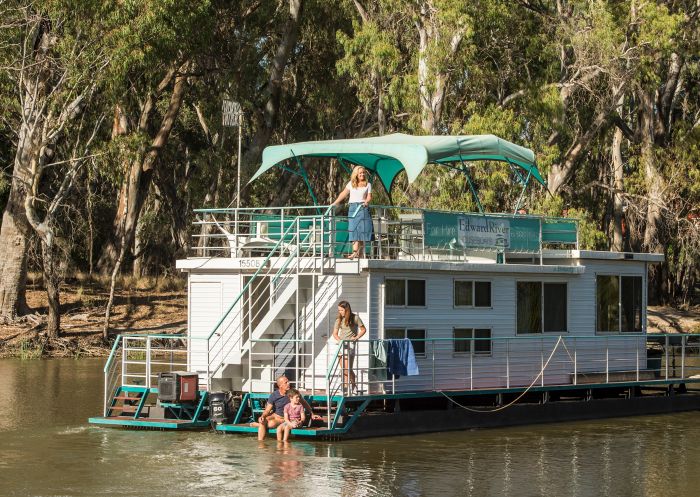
<point x="49" y="450"/>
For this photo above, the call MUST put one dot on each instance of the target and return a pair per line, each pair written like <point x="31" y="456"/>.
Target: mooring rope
<point x="500" y="408"/>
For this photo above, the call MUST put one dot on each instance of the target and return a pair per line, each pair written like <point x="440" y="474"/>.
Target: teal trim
<point x="251" y="429"/>
<point x="465" y="171"/>
<point x="304" y="176"/>
<point x="354" y="417"/>
<point x="142" y="402"/>
<point x="136" y="388"/>
<point x="239" y="413"/>
<point x="114" y="400"/>
<point x="159" y="335"/>
<point x="344" y="165"/>
<point x="112" y="353"/>
<point x="522" y="192"/>
<point x="559" y="231"/>
<point x="200" y="407"/>
<point x="338" y="410"/>
<point x="388" y="155"/>
<point x="250" y="281"/>
<point x="144" y="423"/>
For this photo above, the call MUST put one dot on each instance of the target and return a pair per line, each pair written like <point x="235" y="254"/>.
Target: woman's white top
<point x="358" y="194"/>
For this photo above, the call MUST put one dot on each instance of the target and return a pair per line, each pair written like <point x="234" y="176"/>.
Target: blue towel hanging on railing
<point x="401" y="360"/>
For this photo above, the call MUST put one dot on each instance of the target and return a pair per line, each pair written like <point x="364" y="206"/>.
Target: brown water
<point x="48" y="449"/>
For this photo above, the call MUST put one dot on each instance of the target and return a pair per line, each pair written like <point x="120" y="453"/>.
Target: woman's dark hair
<point x="349" y="316"/>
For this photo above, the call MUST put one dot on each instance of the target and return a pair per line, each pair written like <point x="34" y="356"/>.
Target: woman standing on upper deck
<point x="359" y="220"/>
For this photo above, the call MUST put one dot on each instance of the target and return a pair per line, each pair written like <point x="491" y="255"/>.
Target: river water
<point x="48" y="449"/>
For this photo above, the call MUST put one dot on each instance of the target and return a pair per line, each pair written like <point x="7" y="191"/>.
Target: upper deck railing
<point x="398" y="233"/>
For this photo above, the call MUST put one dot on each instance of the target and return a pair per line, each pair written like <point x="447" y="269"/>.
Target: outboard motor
<point x="222" y="407"/>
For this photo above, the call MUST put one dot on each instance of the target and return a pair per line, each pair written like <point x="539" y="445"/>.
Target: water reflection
<point x="46" y="448"/>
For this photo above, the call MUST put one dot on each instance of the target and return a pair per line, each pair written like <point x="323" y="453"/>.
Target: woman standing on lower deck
<point x="359" y="220"/>
<point x="348" y="329"/>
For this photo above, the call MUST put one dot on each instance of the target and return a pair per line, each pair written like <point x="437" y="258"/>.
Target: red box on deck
<point x="177" y="386"/>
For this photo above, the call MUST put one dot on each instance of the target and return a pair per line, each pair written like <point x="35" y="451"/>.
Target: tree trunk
<point x="138" y="184"/>
<point x="274" y="86"/>
<point x="52" y="283"/>
<point x="654" y="180"/>
<point x="137" y="265"/>
<point x="15" y="228"/>
<point x="13" y="264"/>
<point x="13" y="246"/>
<point x="432" y="85"/>
<point x="618" y="241"/>
<point x="134" y="189"/>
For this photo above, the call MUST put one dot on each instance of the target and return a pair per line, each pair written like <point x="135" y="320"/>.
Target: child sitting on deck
<point x="294" y="415"/>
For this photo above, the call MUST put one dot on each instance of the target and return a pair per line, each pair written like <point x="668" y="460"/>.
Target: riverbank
<point x="144" y="305"/>
<point x="151" y="305"/>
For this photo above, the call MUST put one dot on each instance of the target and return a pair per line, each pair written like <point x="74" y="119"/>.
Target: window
<point x="541" y="307"/>
<point x="631" y="304"/>
<point x="619" y="303"/>
<point x="417" y="338"/>
<point x="469" y="293"/>
<point x="404" y="293"/>
<point x="607" y="306"/>
<point x="465" y="337"/>
<point x="529" y="307"/>
<point x="395" y="292"/>
<point x="555" y="306"/>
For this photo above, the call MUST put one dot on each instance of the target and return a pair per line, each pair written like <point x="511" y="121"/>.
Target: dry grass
<point x="671" y="320"/>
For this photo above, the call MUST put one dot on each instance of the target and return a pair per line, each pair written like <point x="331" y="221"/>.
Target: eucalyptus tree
<point x="624" y="130"/>
<point x="51" y="53"/>
<point x="411" y="50"/>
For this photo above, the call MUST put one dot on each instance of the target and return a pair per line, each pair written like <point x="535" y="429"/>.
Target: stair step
<point x="127" y="398"/>
<point x="124" y="408"/>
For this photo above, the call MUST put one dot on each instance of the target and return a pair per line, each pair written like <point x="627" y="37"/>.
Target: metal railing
<point x="398" y="233"/>
<point x="293" y="254"/>
<point x="466" y="364"/>
<point x="137" y="360"/>
<point x="254" y="232"/>
<point x="515" y="362"/>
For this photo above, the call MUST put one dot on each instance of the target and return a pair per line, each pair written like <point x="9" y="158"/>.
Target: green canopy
<point x="387" y="155"/>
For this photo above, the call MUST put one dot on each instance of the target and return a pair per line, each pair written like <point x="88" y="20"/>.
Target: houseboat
<point x="502" y="318"/>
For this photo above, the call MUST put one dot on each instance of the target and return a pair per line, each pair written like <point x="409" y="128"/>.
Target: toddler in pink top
<point x="294" y="415"/>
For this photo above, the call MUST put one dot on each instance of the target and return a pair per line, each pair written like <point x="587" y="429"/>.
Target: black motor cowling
<point x="222" y="407"/>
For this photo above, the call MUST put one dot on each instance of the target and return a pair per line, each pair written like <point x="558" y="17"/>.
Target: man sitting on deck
<point x="273" y="415"/>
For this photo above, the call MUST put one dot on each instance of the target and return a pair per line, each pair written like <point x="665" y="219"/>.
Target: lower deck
<point x="424" y="412"/>
<point x="364" y="416"/>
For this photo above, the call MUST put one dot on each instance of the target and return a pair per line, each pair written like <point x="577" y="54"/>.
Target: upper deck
<point x="403" y="237"/>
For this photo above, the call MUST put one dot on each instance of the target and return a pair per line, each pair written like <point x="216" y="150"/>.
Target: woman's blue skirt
<point x="359" y="223"/>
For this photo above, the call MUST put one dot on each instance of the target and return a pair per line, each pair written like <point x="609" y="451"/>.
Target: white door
<point x="205" y="311"/>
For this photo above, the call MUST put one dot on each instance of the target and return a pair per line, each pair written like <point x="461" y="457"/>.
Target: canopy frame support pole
<point x="465" y="170"/>
<point x="522" y="192"/>
<point x="345" y="166"/>
<point x="304" y="176"/>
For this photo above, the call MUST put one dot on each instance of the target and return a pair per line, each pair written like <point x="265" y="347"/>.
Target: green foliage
<point x="536" y="76"/>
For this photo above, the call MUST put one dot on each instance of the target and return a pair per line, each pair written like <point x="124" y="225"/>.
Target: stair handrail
<point x="297" y="243"/>
<point x="330" y="374"/>
<point x="243" y="291"/>
<point x="247" y="285"/>
<point x="294" y="255"/>
<point x="294" y="230"/>
<point x="109" y="377"/>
